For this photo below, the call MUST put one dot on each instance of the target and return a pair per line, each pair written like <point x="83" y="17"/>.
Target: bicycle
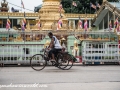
<point x="63" y="60"/>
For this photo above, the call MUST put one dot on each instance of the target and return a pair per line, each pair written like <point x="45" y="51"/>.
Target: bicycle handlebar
<point x="44" y="50"/>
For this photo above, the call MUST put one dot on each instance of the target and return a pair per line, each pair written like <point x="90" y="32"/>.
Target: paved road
<point x="51" y="78"/>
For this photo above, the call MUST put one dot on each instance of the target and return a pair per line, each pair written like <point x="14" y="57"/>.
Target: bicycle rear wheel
<point x="69" y="59"/>
<point x="64" y="61"/>
<point x="60" y="62"/>
<point x="38" y="62"/>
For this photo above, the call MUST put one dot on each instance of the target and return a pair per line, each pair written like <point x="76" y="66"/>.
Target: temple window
<point x="4" y="23"/>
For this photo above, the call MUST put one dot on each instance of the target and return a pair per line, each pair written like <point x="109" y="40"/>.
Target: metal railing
<point x="37" y="36"/>
<point x="19" y="36"/>
<point x="100" y="52"/>
<point x="18" y="53"/>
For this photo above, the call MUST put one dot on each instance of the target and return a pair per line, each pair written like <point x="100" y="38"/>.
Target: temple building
<point x="52" y="17"/>
<point x="90" y="36"/>
<point x="49" y="16"/>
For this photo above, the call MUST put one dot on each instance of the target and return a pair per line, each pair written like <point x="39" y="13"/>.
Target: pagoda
<point x="50" y="14"/>
<point x="4" y="6"/>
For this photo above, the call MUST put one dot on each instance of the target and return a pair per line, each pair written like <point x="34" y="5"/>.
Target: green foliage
<point x="82" y="6"/>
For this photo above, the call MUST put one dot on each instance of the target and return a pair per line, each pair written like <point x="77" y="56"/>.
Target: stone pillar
<point x="69" y="23"/>
<point x="90" y="23"/>
<point x="74" y="26"/>
<point x="18" y="21"/>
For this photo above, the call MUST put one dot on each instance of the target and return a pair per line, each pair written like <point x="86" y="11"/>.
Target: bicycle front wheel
<point x="38" y="62"/>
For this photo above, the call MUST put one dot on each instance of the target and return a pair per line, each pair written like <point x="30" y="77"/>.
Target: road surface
<point x="52" y="78"/>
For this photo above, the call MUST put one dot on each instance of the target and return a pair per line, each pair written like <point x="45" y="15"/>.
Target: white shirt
<point x="57" y="43"/>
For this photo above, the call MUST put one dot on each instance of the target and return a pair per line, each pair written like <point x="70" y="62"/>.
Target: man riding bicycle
<point x="63" y="60"/>
<point x="54" y="46"/>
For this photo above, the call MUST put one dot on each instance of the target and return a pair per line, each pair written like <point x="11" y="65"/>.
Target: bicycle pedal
<point x="53" y="63"/>
<point x="56" y="65"/>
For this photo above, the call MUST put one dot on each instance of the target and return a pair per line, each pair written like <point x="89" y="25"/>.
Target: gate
<point x="100" y="52"/>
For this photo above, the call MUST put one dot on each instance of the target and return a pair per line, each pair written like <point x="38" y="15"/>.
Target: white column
<point x="90" y="23"/>
<point x="18" y="21"/>
<point x="74" y="24"/>
<point x="68" y="22"/>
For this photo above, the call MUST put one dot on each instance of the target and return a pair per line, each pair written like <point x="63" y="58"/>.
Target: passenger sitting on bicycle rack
<point x="54" y="46"/>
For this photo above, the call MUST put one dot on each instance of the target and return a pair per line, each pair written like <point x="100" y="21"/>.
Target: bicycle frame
<point x="46" y="54"/>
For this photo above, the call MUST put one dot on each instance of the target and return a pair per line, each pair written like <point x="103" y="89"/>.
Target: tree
<point x="83" y="6"/>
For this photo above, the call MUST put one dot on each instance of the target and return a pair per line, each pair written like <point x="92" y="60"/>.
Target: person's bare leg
<point x="53" y="58"/>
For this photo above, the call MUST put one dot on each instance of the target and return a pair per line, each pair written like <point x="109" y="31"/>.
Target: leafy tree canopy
<point x="83" y="6"/>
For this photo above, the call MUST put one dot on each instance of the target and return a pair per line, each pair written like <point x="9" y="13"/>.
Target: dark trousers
<point x="53" y="51"/>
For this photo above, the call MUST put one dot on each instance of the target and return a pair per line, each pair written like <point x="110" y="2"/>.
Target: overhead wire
<point x="20" y="7"/>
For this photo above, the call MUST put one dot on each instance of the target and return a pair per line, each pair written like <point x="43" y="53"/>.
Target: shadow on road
<point x="58" y="70"/>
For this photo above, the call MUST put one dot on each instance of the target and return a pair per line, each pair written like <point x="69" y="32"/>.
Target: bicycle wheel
<point x="37" y="62"/>
<point x="68" y="58"/>
<point x="64" y="61"/>
<point x="60" y="62"/>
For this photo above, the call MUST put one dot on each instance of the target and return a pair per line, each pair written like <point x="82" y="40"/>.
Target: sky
<point x="28" y="4"/>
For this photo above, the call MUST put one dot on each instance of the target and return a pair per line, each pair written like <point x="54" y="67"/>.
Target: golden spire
<point x="50" y="12"/>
